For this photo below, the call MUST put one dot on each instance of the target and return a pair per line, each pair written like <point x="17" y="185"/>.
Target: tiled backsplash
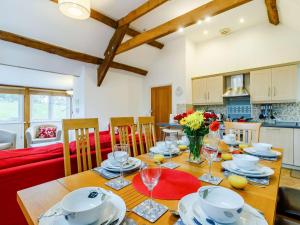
<point x="282" y="111"/>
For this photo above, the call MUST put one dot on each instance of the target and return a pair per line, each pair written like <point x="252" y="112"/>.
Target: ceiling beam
<point x="66" y="53"/>
<point x="114" y="24"/>
<point x="212" y="8"/>
<point x="110" y="53"/>
<point x="140" y="11"/>
<point x="272" y="11"/>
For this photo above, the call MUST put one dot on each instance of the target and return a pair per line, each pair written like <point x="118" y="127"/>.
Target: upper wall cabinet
<point x="274" y="85"/>
<point x="208" y="91"/>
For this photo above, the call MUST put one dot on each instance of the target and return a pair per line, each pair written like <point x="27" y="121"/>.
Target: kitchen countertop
<point x="294" y="125"/>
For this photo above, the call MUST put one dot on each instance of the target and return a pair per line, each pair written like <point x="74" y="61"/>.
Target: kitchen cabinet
<point x="274" y="85"/>
<point x="260" y="85"/>
<point x="208" y="91"/>
<point x="297" y="147"/>
<point x="281" y="138"/>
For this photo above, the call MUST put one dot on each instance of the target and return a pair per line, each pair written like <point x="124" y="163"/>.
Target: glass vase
<point x="195" y="147"/>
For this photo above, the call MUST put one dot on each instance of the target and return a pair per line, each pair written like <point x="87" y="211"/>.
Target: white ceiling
<point x="41" y="19"/>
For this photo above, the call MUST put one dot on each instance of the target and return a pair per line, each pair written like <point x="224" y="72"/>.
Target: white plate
<point x="130" y="163"/>
<point x="60" y="220"/>
<point x="233" y="143"/>
<point x="136" y="164"/>
<point x="259" y="169"/>
<point x="187" y="210"/>
<point x="231" y="167"/>
<point x="253" y="151"/>
<point x="157" y="150"/>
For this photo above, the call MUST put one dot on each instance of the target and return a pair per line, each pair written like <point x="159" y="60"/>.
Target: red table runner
<point x="172" y="185"/>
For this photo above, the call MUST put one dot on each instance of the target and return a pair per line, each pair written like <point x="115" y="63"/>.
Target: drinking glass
<point x="121" y="155"/>
<point x="150" y="175"/>
<point x="171" y="142"/>
<point x="210" y="151"/>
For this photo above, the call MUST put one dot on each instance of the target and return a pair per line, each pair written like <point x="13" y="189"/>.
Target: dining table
<point x="36" y="200"/>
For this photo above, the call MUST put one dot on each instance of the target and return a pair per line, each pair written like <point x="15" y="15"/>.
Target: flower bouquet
<point x="196" y="125"/>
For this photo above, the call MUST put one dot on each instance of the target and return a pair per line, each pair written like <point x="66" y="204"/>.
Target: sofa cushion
<point x="46" y="132"/>
<point x="5" y="146"/>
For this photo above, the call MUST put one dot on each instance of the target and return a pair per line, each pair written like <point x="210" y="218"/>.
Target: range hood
<point x="235" y="86"/>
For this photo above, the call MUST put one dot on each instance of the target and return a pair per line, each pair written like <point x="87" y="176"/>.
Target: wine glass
<point x="121" y="155"/>
<point x="150" y="175"/>
<point x="171" y="142"/>
<point x="210" y="151"/>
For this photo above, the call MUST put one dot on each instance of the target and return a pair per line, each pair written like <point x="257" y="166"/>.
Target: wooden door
<point x="284" y="84"/>
<point x="280" y="138"/>
<point x="161" y="105"/>
<point x="199" y="91"/>
<point x="214" y="86"/>
<point x="260" y="86"/>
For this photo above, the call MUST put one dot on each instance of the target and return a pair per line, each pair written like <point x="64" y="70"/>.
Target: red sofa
<point x="23" y="168"/>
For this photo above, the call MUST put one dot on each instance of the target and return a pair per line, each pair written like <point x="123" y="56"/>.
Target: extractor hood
<point x="235" y="86"/>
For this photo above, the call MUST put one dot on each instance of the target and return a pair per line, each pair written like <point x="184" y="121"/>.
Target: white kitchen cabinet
<point x="297" y="147"/>
<point x="275" y="85"/>
<point x="281" y="138"/>
<point x="260" y="86"/>
<point x="208" y="91"/>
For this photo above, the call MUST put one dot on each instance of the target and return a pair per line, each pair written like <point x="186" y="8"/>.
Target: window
<point x="49" y="108"/>
<point x="11" y="109"/>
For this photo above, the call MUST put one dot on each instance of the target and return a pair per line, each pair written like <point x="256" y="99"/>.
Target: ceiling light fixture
<point x="242" y="20"/>
<point x="180" y="30"/>
<point x="207" y="19"/>
<point x="205" y="32"/>
<point x="76" y="9"/>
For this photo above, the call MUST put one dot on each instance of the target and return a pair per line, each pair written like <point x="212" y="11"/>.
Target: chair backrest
<point x="245" y="132"/>
<point x="83" y="150"/>
<point x="120" y="126"/>
<point x="146" y="127"/>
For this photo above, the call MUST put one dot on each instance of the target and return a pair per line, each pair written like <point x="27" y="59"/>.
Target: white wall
<point x="257" y="46"/>
<point x="169" y="68"/>
<point x="119" y="95"/>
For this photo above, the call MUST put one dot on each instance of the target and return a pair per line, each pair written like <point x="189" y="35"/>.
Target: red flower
<point x="214" y="126"/>
<point x="207" y="115"/>
<point x="190" y="111"/>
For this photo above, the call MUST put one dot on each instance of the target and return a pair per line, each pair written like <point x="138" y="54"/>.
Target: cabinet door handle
<point x="274" y="91"/>
<point x="207" y="95"/>
<point x="269" y="92"/>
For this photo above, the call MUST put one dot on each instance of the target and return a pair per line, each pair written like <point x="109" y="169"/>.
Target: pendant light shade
<point x="76" y="9"/>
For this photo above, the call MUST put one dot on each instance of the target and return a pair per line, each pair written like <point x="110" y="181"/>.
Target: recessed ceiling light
<point x="76" y="9"/>
<point x="207" y="19"/>
<point x="180" y="30"/>
<point x="205" y="32"/>
<point x="199" y="22"/>
<point x="242" y="20"/>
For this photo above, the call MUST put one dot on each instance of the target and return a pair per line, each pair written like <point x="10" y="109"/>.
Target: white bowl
<point x="262" y="146"/>
<point x="111" y="158"/>
<point x="246" y="162"/>
<point x="161" y="145"/>
<point x="221" y="204"/>
<point x="85" y="206"/>
<point x="229" y="139"/>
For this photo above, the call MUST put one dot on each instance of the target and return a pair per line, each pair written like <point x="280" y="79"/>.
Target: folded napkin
<point x="261" y="180"/>
<point x="105" y="173"/>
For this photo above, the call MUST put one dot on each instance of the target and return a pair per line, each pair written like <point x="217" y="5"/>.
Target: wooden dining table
<point x="38" y="199"/>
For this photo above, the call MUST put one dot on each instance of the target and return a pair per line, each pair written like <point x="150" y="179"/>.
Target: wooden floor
<point x="288" y="181"/>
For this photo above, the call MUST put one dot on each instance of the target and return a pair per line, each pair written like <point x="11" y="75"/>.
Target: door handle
<point x="269" y="92"/>
<point x="274" y="91"/>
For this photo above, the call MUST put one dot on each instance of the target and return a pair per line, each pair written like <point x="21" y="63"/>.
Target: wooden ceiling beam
<point x="110" y="52"/>
<point x="66" y="53"/>
<point x="212" y="8"/>
<point x="272" y="11"/>
<point x="140" y="11"/>
<point x="114" y="24"/>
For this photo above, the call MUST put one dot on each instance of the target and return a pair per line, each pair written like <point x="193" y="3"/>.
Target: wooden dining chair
<point x="83" y="150"/>
<point x="245" y="132"/>
<point x="146" y="130"/>
<point x="123" y="127"/>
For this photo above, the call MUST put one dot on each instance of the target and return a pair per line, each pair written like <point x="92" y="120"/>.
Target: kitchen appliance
<point x="235" y="86"/>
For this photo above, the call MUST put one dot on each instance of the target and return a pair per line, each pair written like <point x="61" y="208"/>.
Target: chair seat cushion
<point x="5" y="146"/>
